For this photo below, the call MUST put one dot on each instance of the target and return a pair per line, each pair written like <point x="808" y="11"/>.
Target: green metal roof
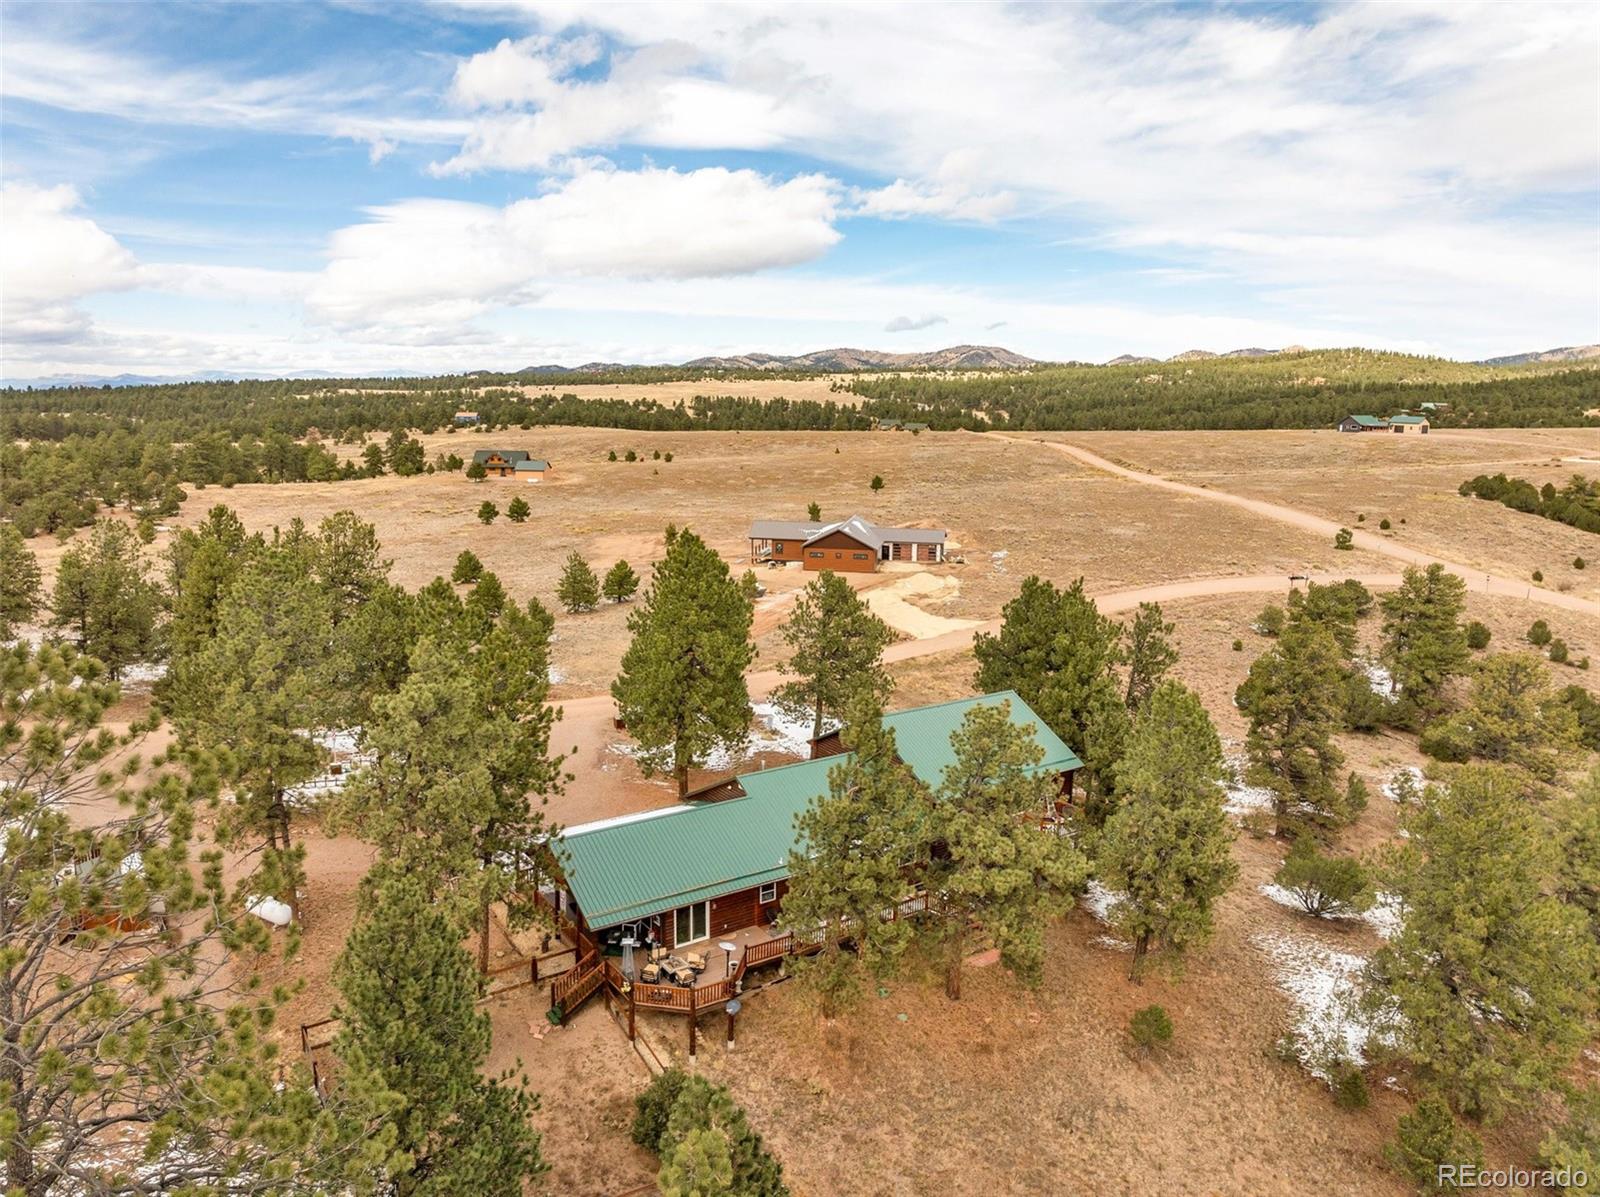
<point x="1408" y="419"/>
<point x="629" y="869"/>
<point x="538" y="464"/>
<point x="1369" y="421"/>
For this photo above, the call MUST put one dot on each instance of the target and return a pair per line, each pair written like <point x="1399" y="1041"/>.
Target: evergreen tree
<point x="579" y="589"/>
<point x="1489" y="983"/>
<point x="202" y="564"/>
<point x="1059" y="654"/>
<point x="518" y="510"/>
<point x="405" y="454"/>
<point x="1166" y="849"/>
<point x="1424" y="644"/>
<point x="1511" y="718"/>
<point x="621" y="583"/>
<point x="1294" y="698"/>
<point x="410" y="1029"/>
<point x="682" y="689"/>
<point x="1325" y="886"/>
<point x="487" y="512"/>
<point x="850" y="866"/>
<point x="468" y="568"/>
<point x="709" y="1142"/>
<point x="1337" y="606"/>
<point x="19" y="581"/>
<point x="477" y="472"/>
<point x="104" y="597"/>
<point x="111" y="1042"/>
<point x="256" y="695"/>
<point x="837" y="648"/>
<point x="1150" y="653"/>
<point x="1576" y="821"/>
<point x="994" y="865"/>
<point x="813" y="512"/>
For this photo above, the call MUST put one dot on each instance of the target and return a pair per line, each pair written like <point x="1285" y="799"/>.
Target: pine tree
<point x="579" y="589"/>
<point x="202" y="564"/>
<point x="1576" y="823"/>
<point x="256" y="695"/>
<point x="477" y="472"/>
<point x="518" y="510"/>
<point x="621" y="583"/>
<point x="708" y="1142"/>
<point x="1167" y="849"/>
<point x="410" y="1029"/>
<point x="682" y="689"/>
<point x="19" y="581"/>
<point x="1511" y="718"/>
<point x="1294" y="698"/>
<point x="1489" y="983"/>
<point x="850" y="865"/>
<point x="104" y="596"/>
<point x="837" y="648"/>
<point x="117" y="1042"/>
<point x="1150" y="653"/>
<point x="468" y="568"/>
<point x="996" y="867"/>
<point x="487" y="512"/>
<point x="1059" y="654"/>
<point x="1424" y="644"/>
<point x="813" y="512"/>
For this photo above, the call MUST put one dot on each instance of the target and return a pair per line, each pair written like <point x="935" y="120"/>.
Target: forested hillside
<point x="1301" y="390"/>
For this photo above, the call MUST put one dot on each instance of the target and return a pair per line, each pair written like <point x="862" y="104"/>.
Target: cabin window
<point x="859" y="556"/>
<point x="777" y="546"/>
<point x="768" y="893"/>
<point x="692" y="923"/>
<point x="815" y="553"/>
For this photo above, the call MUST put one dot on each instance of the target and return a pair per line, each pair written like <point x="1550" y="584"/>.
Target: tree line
<point x="1577" y="503"/>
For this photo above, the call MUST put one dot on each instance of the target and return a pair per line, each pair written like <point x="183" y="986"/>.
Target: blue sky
<point x="367" y="187"/>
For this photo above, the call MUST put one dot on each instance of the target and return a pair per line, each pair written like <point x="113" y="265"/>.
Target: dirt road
<point x="1476" y="580"/>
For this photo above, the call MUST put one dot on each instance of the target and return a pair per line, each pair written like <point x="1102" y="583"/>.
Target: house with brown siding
<point x="854" y="545"/>
<point x="716" y="866"/>
<point x="500" y="463"/>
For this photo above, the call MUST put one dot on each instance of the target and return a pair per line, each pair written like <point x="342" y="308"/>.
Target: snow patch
<point x="1386" y="915"/>
<point x="143" y="673"/>
<point x="776" y="733"/>
<point x="1323" y="984"/>
<point x="1242" y="799"/>
<point x="1098" y="901"/>
<point x="1380" y="679"/>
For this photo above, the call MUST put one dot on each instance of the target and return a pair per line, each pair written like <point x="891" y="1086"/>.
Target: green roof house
<point x="1363" y="424"/>
<point x="1405" y="423"/>
<point x="718" y="864"/>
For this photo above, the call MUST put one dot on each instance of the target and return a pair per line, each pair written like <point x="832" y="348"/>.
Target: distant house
<point x="854" y="545"/>
<point x="1363" y="424"/>
<point x="1403" y="424"/>
<point x="464" y="418"/>
<point x="532" y="470"/>
<point x="500" y="463"/>
<point x="886" y="425"/>
<point x="1434" y="406"/>
<point x="900" y="426"/>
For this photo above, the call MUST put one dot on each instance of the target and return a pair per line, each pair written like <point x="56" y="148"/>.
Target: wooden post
<point x="533" y="970"/>
<point x="691" y="1022"/>
<point x="731" y="1017"/>
<point x="633" y="992"/>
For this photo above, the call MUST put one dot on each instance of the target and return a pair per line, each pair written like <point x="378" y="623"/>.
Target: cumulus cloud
<point x="438" y="261"/>
<point x="51" y="257"/>
<point x="913" y="323"/>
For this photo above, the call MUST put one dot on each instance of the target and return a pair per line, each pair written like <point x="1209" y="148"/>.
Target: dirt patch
<point x="893" y="603"/>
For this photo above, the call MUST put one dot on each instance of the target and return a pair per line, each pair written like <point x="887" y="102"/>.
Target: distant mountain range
<point x="957" y="357"/>
<point x="1570" y="353"/>
<point x="1200" y="355"/>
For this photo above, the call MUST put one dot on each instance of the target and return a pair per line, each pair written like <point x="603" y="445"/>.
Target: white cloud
<point x="50" y="258"/>
<point x="904" y="199"/>
<point x="913" y="323"/>
<point x="442" y="262"/>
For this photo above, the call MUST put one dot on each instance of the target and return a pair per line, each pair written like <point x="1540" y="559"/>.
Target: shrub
<point x="1150" y="1028"/>
<point x="1477" y="635"/>
<point x="666" y="457"/>
<point x="1355" y="797"/>
<point x="1428" y="1137"/>
<point x="654" y="1106"/>
<point x="1364" y="709"/>
<point x="1558" y="651"/>
<point x="1447" y="740"/>
<point x="1579" y="563"/>
<point x="1539" y="633"/>
<point x="468" y="568"/>
<point x="1574" y="1146"/>
<point x="1325" y="886"/>
<point x="1271" y="620"/>
<point x="1538" y="575"/>
<point x="876" y="483"/>
<point x="1349" y="1086"/>
<point x="1344" y="539"/>
<point x="813" y="511"/>
<point x="518" y="510"/>
<point x="611" y="456"/>
<point x="630" y="455"/>
<point x="1238" y="646"/>
<point x="1384" y="524"/>
<point x="656" y="455"/>
<point x="1361" y="517"/>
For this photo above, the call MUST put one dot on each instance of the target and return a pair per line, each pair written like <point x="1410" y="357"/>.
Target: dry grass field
<point x="1007" y="1091"/>
<point x="820" y="389"/>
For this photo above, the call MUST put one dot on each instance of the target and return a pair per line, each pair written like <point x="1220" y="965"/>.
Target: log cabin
<point x="854" y="545"/>
<point x="716" y="866"/>
<point x="500" y="463"/>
